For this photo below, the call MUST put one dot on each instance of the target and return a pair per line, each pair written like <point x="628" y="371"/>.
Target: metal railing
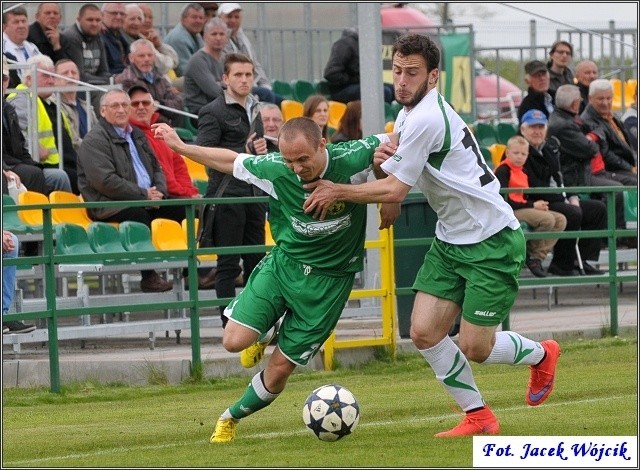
<point x="193" y="303"/>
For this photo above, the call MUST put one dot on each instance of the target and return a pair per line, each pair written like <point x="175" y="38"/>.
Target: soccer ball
<point x="331" y="412"/>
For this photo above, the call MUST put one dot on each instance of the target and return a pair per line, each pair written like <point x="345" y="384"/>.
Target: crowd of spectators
<point x="206" y="65"/>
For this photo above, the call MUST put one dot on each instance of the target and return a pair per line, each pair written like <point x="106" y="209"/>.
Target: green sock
<point x="254" y="398"/>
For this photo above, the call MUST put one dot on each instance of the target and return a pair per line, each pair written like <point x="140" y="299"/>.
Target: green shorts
<point x="481" y="277"/>
<point x="313" y="302"/>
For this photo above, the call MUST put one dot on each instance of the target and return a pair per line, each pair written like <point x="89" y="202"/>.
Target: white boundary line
<point x="278" y="435"/>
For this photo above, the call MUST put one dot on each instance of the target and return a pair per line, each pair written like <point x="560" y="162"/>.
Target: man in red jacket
<point x="141" y="115"/>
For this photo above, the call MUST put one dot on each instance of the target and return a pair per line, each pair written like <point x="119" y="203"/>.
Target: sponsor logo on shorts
<point x="485" y="313"/>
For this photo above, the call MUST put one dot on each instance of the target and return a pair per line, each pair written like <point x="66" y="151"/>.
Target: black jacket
<point x="39" y="38"/>
<point x="616" y="153"/>
<point x="533" y="100"/>
<point x="224" y="123"/>
<point x="343" y="66"/>
<point x="14" y="148"/>
<point x="541" y="167"/>
<point x="576" y="150"/>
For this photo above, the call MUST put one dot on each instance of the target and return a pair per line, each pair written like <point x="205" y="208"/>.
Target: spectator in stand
<point x="85" y="48"/>
<point x="580" y="158"/>
<point x="538" y="97"/>
<point x="272" y="121"/>
<point x="543" y="170"/>
<point x="116" y="163"/>
<point x="10" y="249"/>
<point x="615" y="144"/>
<point x="16" y="157"/>
<point x="350" y="126"/>
<point x="231" y="13"/>
<point x="141" y="115"/>
<point x="232" y="121"/>
<point x="343" y="69"/>
<point x="559" y="72"/>
<point x="79" y="112"/>
<point x="534" y="213"/>
<point x="210" y="9"/>
<point x="630" y="119"/>
<point x="203" y="74"/>
<point x="132" y="25"/>
<point x="186" y="36"/>
<point x="316" y="107"/>
<point x="141" y="71"/>
<point x="166" y="56"/>
<point x="15" y="30"/>
<point x="116" y="46"/>
<point x="44" y="32"/>
<point x="47" y="119"/>
<point x="586" y="72"/>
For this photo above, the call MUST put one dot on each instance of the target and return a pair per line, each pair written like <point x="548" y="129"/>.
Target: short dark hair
<point x="17" y="11"/>
<point x="236" y="58"/>
<point x="190" y="6"/>
<point x="414" y="43"/>
<point x="561" y="42"/>
<point x="301" y="125"/>
<point x="87" y="7"/>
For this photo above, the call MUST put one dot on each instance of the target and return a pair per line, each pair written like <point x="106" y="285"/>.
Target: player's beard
<point x="421" y="93"/>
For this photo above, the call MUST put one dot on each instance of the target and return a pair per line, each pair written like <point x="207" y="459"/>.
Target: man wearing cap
<point x="543" y="170"/>
<point x="231" y="13"/>
<point x="116" y="163"/>
<point x="186" y="36"/>
<point x="538" y="97"/>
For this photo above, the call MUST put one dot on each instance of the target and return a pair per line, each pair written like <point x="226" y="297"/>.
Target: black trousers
<point x="590" y="215"/>
<point x="237" y="225"/>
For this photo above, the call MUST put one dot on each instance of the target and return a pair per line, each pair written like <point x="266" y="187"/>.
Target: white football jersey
<point x="438" y="155"/>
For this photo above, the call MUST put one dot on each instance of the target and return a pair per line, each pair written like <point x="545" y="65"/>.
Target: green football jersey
<point x="335" y="244"/>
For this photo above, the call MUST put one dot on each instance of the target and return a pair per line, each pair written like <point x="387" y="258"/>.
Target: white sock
<point x="512" y="348"/>
<point x="454" y="372"/>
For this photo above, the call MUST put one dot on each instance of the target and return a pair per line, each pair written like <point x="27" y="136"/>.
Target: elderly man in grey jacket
<point x="116" y="163"/>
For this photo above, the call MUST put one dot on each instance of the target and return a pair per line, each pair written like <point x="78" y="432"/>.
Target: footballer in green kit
<point x="299" y="290"/>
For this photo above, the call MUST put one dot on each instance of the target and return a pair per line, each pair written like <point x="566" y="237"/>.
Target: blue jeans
<point x="9" y="277"/>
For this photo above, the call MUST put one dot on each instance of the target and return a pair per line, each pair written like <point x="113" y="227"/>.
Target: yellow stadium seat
<point x="34" y="216"/>
<point x="78" y="215"/>
<point x="336" y="111"/>
<point x="497" y="150"/>
<point x="213" y="257"/>
<point x="616" y="83"/>
<point x="166" y="234"/>
<point x="629" y="90"/>
<point x="388" y="127"/>
<point x="291" y="109"/>
<point x="197" y="171"/>
<point x="269" y="241"/>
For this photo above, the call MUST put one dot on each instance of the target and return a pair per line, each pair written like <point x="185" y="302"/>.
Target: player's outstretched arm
<point x="326" y="193"/>
<point x="217" y="158"/>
